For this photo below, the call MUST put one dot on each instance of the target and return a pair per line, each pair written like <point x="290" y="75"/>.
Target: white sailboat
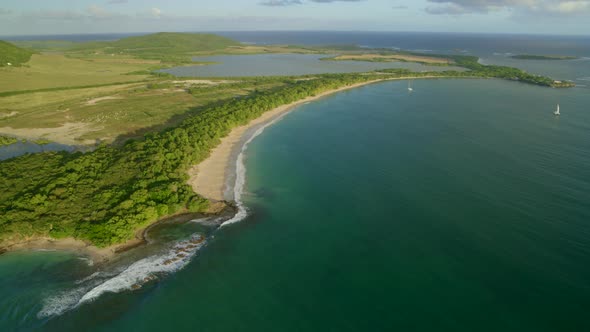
<point x="410" y="86"/>
<point x="557" y="110"/>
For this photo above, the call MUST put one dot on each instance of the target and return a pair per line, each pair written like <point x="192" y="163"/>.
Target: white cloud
<point x="458" y="7"/>
<point x="100" y="13"/>
<point x="156" y="12"/>
<point x="569" y="7"/>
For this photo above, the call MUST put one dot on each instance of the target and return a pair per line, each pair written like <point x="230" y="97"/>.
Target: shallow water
<point x="285" y="65"/>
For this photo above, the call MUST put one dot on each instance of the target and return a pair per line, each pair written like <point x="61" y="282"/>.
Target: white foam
<point x="88" y="261"/>
<point x="58" y="304"/>
<point x="135" y="275"/>
<point x="241" y="175"/>
<point x="90" y="277"/>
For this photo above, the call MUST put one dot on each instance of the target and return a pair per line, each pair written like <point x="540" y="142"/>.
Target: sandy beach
<point x="98" y="255"/>
<point x="214" y="178"/>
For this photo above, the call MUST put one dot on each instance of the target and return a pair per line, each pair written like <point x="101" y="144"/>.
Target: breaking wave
<point x="132" y="277"/>
<point x="241" y="174"/>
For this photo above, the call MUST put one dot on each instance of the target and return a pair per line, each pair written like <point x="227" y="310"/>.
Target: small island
<point x="543" y="57"/>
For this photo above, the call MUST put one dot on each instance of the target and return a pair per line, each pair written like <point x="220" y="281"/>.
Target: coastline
<point x="104" y="255"/>
<point x="215" y="177"/>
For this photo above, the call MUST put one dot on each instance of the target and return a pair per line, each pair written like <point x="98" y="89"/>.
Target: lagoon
<point x="286" y="65"/>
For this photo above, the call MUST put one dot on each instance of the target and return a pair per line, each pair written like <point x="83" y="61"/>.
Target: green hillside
<point x="173" y="43"/>
<point x="165" y="46"/>
<point x="13" y="55"/>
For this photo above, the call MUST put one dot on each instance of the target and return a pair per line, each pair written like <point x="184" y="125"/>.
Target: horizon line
<point x="291" y="31"/>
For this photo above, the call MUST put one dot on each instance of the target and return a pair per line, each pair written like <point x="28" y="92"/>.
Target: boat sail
<point x="557" y="110"/>
<point x="410" y="86"/>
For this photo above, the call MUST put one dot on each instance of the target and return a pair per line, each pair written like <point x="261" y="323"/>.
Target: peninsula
<point x="164" y="146"/>
<point x="543" y="57"/>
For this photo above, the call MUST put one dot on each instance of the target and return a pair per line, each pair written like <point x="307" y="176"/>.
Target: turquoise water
<point x="287" y="64"/>
<point x="460" y="207"/>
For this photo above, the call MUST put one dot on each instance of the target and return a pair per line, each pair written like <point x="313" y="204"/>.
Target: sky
<point x="40" y="17"/>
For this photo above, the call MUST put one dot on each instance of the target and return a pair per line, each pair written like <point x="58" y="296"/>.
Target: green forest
<point x="13" y="55"/>
<point x="543" y="57"/>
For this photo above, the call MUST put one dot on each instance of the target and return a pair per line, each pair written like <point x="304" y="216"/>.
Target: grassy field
<point x="114" y="113"/>
<point x="83" y="93"/>
<point x="55" y="70"/>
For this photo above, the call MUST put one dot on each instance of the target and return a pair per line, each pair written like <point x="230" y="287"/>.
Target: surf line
<point x="240" y="181"/>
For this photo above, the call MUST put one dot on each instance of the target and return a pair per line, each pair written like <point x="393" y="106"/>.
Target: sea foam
<point x="129" y="278"/>
<point x="241" y="174"/>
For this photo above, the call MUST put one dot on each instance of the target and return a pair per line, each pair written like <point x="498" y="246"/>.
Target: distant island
<point x="543" y="57"/>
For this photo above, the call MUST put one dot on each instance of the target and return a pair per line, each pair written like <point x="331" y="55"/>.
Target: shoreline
<point x="104" y="255"/>
<point x="215" y="177"/>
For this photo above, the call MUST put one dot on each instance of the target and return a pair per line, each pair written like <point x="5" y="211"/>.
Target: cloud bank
<point x="540" y="7"/>
<point x="283" y="3"/>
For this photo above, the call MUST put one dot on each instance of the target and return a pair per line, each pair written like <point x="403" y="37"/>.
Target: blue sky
<point x="101" y="16"/>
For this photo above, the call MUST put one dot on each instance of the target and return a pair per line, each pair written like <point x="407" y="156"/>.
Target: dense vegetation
<point x="104" y="196"/>
<point x="543" y="57"/>
<point x="477" y="69"/>
<point x="5" y="140"/>
<point x="13" y="55"/>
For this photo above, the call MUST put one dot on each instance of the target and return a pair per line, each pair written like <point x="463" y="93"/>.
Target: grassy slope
<point x="152" y="104"/>
<point x="54" y="70"/>
<point x="165" y="46"/>
<point x="12" y="54"/>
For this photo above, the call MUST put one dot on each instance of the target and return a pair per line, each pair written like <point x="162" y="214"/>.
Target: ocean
<point x="461" y="206"/>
